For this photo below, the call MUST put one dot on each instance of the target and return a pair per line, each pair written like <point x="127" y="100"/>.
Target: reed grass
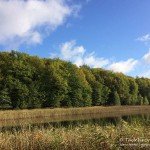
<point x="82" y="137"/>
<point x="19" y="117"/>
<point x="24" y="114"/>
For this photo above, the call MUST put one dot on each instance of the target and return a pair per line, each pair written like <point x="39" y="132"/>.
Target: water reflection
<point x="142" y="119"/>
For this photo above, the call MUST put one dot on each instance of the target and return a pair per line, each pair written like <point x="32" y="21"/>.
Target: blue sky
<point x="112" y="34"/>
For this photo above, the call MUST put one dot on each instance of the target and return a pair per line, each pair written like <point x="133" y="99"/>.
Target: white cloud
<point x="146" y="57"/>
<point x="144" y="38"/>
<point x="21" y="21"/>
<point x="95" y="62"/>
<point x="77" y="54"/>
<point x="123" y="66"/>
<point x="69" y="50"/>
<point x="145" y="67"/>
<point x="145" y="74"/>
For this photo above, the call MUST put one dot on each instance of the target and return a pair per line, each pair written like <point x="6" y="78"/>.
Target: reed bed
<point x="82" y="137"/>
<point x="37" y="113"/>
<point x="25" y="117"/>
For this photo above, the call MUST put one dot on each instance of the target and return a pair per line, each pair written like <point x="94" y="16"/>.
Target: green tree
<point x="32" y="82"/>
<point x="18" y="93"/>
<point x="5" y="101"/>
<point x="140" y="100"/>
<point x="95" y="86"/>
<point x="116" y="98"/>
<point x="146" y="102"/>
<point x="143" y="87"/>
<point x="80" y="90"/>
<point x="133" y="91"/>
<point x="54" y="86"/>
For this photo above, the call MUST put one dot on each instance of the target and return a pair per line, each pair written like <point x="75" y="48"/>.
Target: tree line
<point x="32" y="82"/>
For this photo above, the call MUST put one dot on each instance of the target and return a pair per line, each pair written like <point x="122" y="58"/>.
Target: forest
<point x="28" y="82"/>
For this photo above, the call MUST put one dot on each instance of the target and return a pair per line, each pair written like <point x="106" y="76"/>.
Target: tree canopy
<point x="32" y="82"/>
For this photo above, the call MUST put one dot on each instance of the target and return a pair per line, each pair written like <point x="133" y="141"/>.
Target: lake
<point x="74" y="121"/>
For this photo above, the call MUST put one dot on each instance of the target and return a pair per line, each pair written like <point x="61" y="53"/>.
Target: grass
<point x="133" y="135"/>
<point x="82" y="137"/>
<point x="19" y="117"/>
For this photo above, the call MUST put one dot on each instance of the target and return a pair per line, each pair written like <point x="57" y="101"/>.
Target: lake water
<point x="77" y="121"/>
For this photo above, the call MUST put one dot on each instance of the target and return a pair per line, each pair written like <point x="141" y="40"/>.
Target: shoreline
<point x="21" y="117"/>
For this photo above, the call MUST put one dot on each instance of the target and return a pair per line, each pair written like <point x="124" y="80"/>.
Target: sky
<point x="109" y="34"/>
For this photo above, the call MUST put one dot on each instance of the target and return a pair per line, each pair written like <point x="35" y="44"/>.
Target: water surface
<point x="78" y="120"/>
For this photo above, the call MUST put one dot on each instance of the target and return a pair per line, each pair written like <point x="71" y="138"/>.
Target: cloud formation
<point x="21" y="21"/>
<point x="145" y="64"/>
<point x="146" y="74"/>
<point x="123" y="66"/>
<point x="77" y="54"/>
<point x="70" y="51"/>
<point x="146" y="57"/>
<point x="144" y="38"/>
